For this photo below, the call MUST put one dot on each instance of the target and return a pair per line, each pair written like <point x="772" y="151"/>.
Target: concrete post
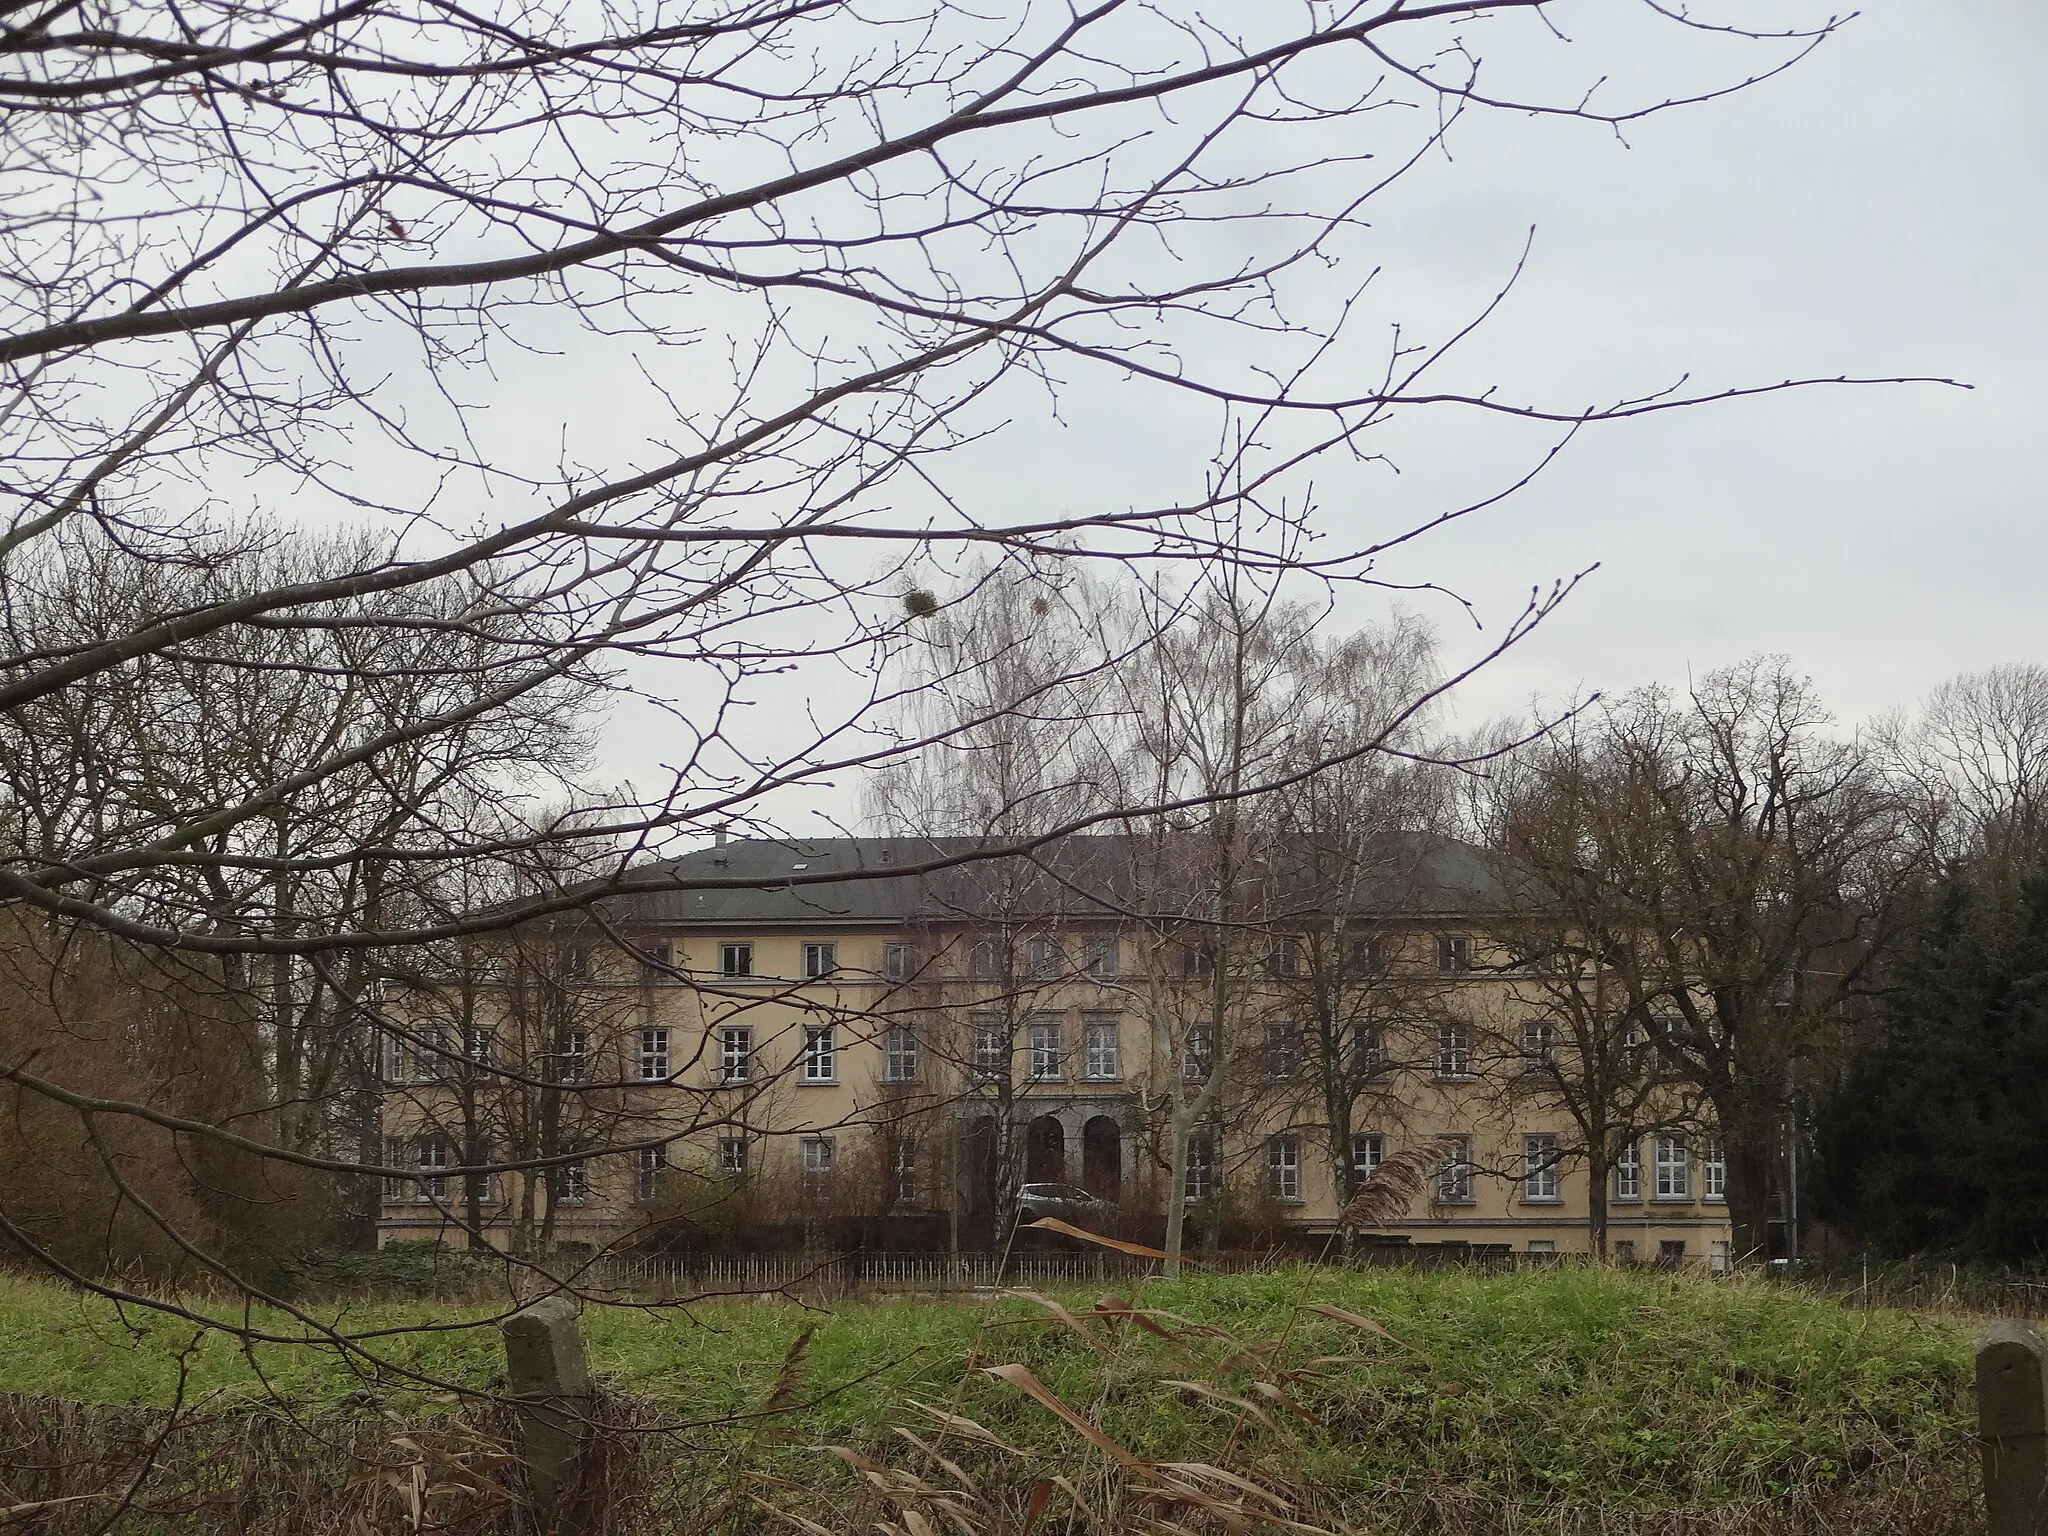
<point x="2012" y="1428"/>
<point x="550" y="1388"/>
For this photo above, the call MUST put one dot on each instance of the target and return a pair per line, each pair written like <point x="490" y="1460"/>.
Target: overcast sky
<point x="1881" y="209"/>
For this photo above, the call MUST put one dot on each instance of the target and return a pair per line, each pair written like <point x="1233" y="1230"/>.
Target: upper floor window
<point x="1363" y="959"/>
<point x="1197" y="1052"/>
<point x="1539" y="1166"/>
<point x="436" y="1157"/>
<point x="1201" y="1169"/>
<point x="1043" y="958"/>
<point x="574" y="1058"/>
<point x="1454" y="1175"/>
<point x="899" y="1056"/>
<point x="477" y="1043"/>
<point x="1668" y="1030"/>
<point x="572" y="1183"/>
<point x="732" y="1157"/>
<point x="1453" y="1050"/>
<point x="1043" y="1039"/>
<point x="819" y="960"/>
<point x="647" y="1172"/>
<point x="1628" y="1171"/>
<point x="735" y="1053"/>
<point x="1453" y="952"/>
<point x="1100" y="1034"/>
<point x="899" y="962"/>
<point x="1283" y="1168"/>
<point x="1368" y="1151"/>
<point x="1197" y="960"/>
<point x="985" y="960"/>
<point x="1368" y="1049"/>
<point x="1539" y="1043"/>
<point x="1099" y="955"/>
<point x="1713" y="1169"/>
<point x="430" y="1054"/>
<point x="735" y="959"/>
<point x="1284" y="958"/>
<point x="1281" y="1049"/>
<point x="653" y="1055"/>
<point x="1674" y="1169"/>
<point x="991" y="1045"/>
<point x="821" y="1054"/>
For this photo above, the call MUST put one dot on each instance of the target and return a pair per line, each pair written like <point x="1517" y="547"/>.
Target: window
<point x="1539" y="1043"/>
<point x="653" y="1055"/>
<point x="572" y="1183"/>
<point x="1542" y="1246"/>
<point x="1453" y="952"/>
<point x="1628" y="1172"/>
<point x="1201" y="1177"/>
<point x="1283" y="1168"/>
<point x="1631" y="1054"/>
<point x="1674" y="1169"/>
<point x="821" y="1054"/>
<point x="1453" y="1050"/>
<point x="1197" y="961"/>
<point x="1099" y="955"/>
<point x="1713" y="1169"/>
<point x="732" y="1157"/>
<point x="1367" y="1153"/>
<point x="1100" y="1033"/>
<point x="735" y="959"/>
<point x="394" y="1059"/>
<point x="1624" y="1251"/>
<point x="435" y="1156"/>
<point x="479" y="1187"/>
<point x="904" y="1186"/>
<point x="1671" y="1253"/>
<point x="899" y="961"/>
<point x="1044" y="958"/>
<point x="1539" y="1167"/>
<point x="1454" y="1178"/>
<point x="647" y="1173"/>
<point x="1284" y="958"/>
<point x="430" y="1054"/>
<point x="985" y="960"/>
<point x="574" y="1058"/>
<point x="1043" y="1040"/>
<point x="1368" y="1049"/>
<point x="899" y="1056"/>
<point x="819" y="960"/>
<point x="1281" y="1049"/>
<point x="1669" y="1032"/>
<point x="991" y="1048"/>
<point x="1363" y="959"/>
<point x="576" y="963"/>
<point x="1197" y="1052"/>
<point x="816" y="1155"/>
<point x="398" y="1153"/>
<point x="477" y="1042"/>
<point x="659" y="961"/>
<point x="1720" y="1258"/>
<point x="735" y="1053"/>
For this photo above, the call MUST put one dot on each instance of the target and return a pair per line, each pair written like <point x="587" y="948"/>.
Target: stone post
<point x="550" y="1388"/>
<point x="2012" y="1427"/>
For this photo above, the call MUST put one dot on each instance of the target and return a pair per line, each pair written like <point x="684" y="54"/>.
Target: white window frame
<point x="648" y="1164"/>
<point x="1541" y="1184"/>
<point x="1453" y="1185"/>
<point x="821" y="959"/>
<point x="430" y="1054"/>
<point x="1714" y="1170"/>
<point x="1454" y="1052"/>
<point x="906" y="1177"/>
<point x="435" y="1154"/>
<point x="1199" y="1186"/>
<point x="572" y="1182"/>
<point x="1542" y="1247"/>
<point x="732" y="1156"/>
<point x="1368" y="1049"/>
<point x="479" y="1042"/>
<point x="818" y="1161"/>
<point x="1101" y="1047"/>
<point x="900" y="1055"/>
<point x="1539" y="1043"/>
<point x="1283" y="960"/>
<point x="1045" y="1048"/>
<point x="821" y="1053"/>
<point x="1368" y="1151"/>
<point x="899" y="962"/>
<point x="1628" y="1172"/>
<point x="1673" y="1169"/>
<point x="1283" y="1168"/>
<point x="1453" y="954"/>
<point x="985" y="960"/>
<point x="989" y="1044"/>
<point x="654" y="1059"/>
<point x="736" y="960"/>
<point x="735" y="1053"/>
<point x="400" y="1153"/>
<point x="1280" y="1050"/>
<point x="1043" y="959"/>
<point x="1099" y="957"/>
<point x="1197" y="1052"/>
<point x="575" y="1062"/>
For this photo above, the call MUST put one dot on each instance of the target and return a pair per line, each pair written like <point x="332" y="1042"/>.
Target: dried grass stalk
<point x="1392" y="1187"/>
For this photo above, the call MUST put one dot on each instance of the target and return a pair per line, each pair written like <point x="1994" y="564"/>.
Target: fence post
<point x="2012" y="1427"/>
<point x="550" y="1389"/>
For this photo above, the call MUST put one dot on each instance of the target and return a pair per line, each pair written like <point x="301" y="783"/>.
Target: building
<point x="892" y="1035"/>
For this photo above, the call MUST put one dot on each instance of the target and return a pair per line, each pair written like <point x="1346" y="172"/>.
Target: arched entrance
<point x="1045" y="1151"/>
<point x="1102" y="1158"/>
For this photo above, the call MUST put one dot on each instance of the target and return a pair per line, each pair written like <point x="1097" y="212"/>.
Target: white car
<point x="1067" y="1202"/>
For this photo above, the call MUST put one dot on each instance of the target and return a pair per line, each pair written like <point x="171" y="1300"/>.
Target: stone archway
<point x="1045" y="1151"/>
<point x="1102" y="1158"/>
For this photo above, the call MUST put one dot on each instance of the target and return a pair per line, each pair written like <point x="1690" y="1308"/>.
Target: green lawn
<point x="1622" y="1388"/>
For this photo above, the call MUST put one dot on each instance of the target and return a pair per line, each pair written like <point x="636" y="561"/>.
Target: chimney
<point x="718" y="838"/>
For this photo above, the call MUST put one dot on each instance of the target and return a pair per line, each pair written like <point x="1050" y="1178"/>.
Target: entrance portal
<point x="1102" y="1159"/>
<point x="1045" y="1151"/>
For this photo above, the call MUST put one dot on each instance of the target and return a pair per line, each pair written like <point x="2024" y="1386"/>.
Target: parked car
<point x="1066" y="1202"/>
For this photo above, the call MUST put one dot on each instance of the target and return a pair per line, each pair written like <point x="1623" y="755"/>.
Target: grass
<point x="1625" y="1390"/>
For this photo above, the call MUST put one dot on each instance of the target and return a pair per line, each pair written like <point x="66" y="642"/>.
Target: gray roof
<point x="898" y="880"/>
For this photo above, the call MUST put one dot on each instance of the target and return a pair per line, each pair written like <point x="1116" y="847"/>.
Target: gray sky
<point x="1880" y="209"/>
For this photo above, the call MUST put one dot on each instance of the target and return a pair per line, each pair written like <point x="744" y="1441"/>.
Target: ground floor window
<point x="816" y="1154"/>
<point x="1201" y="1174"/>
<point x="1454" y="1178"/>
<point x="1283" y="1168"/>
<point x="1539" y="1167"/>
<point x="647" y="1175"/>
